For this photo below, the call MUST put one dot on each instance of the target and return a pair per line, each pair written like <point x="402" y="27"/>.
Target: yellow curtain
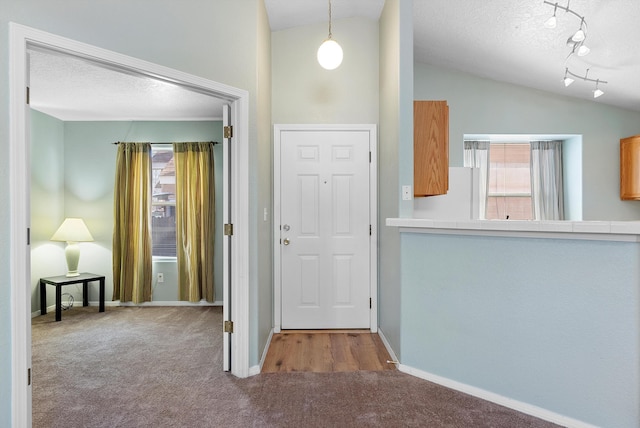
<point x="195" y="220"/>
<point x="131" y="230"/>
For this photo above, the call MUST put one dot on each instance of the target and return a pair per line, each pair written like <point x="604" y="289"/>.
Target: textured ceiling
<point x="71" y="88"/>
<point x="504" y="40"/>
<point x="507" y="41"/>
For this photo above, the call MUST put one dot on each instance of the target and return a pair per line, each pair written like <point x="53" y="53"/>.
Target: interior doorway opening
<point x="21" y="39"/>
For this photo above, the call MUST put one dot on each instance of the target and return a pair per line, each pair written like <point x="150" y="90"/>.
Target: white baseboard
<point x="264" y="355"/>
<point x="160" y="303"/>
<point x="510" y="403"/>
<point x="386" y="344"/>
<point x="52" y="308"/>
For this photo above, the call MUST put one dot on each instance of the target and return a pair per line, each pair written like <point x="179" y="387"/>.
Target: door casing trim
<point x="373" y="213"/>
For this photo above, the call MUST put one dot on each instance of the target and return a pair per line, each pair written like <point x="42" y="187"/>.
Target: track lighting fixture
<point x="330" y="52"/>
<point x="568" y="80"/>
<point x="576" y="44"/>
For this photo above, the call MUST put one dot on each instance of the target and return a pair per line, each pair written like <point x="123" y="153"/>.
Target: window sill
<point x="164" y="259"/>
<point x="626" y="231"/>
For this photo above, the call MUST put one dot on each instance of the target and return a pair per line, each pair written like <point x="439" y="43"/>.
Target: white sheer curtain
<point x="547" y="198"/>
<point x="476" y="155"/>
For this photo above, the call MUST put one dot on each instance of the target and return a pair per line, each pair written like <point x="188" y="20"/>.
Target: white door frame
<point x="373" y="215"/>
<point x="19" y="194"/>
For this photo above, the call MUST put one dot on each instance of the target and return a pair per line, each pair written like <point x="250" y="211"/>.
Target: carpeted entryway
<point x="162" y="367"/>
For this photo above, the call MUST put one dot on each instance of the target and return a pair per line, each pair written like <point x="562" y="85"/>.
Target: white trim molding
<point x="265" y="351"/>
<point x="510" y="403"/>
<point x="387" y="345"/>
<point x="622" y="231"/>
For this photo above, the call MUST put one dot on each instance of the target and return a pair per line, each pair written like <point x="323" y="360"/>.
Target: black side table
<point x="59" y="281"/>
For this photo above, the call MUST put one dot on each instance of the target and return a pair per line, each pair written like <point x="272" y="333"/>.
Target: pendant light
<point x="330" y="52"/>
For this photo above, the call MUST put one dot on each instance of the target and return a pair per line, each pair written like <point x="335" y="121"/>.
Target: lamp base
<point x="72" y="254"/>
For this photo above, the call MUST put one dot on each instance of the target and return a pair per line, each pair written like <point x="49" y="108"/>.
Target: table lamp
<point x="72" y="230"/>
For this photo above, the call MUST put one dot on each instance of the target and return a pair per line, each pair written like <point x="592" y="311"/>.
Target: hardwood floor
<point x="326" y="351"/>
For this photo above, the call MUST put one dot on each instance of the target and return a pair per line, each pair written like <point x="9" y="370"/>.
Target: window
<point x="163" y="202"/>
<point x="526" y="176"/>
<point x="509" y="192"/>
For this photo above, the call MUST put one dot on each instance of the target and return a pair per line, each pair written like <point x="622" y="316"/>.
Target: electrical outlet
<point x="160" y="277"/>
<point x="406" y="193"/>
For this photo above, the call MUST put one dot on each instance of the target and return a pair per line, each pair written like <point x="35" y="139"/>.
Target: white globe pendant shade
<point x="330" y="54"/>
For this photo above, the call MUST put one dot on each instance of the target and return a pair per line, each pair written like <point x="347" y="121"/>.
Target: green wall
<point x="86" y="164"/>
<point x="47" y="200"/>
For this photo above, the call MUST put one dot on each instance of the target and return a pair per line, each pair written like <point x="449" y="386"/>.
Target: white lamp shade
<point x="72" y="230"/>
<point x="330" y="54"/>
<point x="597" y="93"/>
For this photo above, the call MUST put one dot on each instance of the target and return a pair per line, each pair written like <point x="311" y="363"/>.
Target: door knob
<point x="286" y="241"/>
<point x="286" y="227"/>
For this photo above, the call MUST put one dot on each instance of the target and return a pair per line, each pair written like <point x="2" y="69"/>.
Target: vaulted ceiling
<point x="497" y="39"/>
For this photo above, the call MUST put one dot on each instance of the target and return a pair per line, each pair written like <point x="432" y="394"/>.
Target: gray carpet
<point x="162" y="367"/>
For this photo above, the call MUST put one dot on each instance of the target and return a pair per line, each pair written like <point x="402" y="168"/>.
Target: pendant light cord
<point x="329" y="19"/>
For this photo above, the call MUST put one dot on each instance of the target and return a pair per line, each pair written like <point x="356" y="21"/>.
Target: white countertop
<point x="595" y="230"/>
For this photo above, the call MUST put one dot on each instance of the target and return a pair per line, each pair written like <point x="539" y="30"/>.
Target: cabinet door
<point x="630" y="168"/>
<point x="430" y="148"/>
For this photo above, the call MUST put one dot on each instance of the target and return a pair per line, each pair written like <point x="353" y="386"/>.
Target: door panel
<point x="325" y="271"/>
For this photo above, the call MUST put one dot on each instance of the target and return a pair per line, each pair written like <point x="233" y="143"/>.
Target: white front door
<point x="325" y="229"/>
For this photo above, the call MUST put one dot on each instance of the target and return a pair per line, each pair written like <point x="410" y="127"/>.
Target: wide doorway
<point x="325" y="217"/>
<point x="22" y="38"/>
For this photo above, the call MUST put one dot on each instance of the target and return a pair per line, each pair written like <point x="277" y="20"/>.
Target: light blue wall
<point x="88" y="162"/>
<point x="483" y="106"/>
<point x="552" y="323"/>
<point x="572" y="178"/>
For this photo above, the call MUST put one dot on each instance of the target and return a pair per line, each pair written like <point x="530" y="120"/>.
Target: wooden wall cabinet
<point x="430" y="148"/>
<point x="630" y="168"/>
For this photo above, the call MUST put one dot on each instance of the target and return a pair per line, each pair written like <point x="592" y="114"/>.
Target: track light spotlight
<point x="580" y="34"/>
<point x="597" y="91"/>
<point x="583" y="50"/>
<point x="552" y="22"/>
<point x="567" y="80"/>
